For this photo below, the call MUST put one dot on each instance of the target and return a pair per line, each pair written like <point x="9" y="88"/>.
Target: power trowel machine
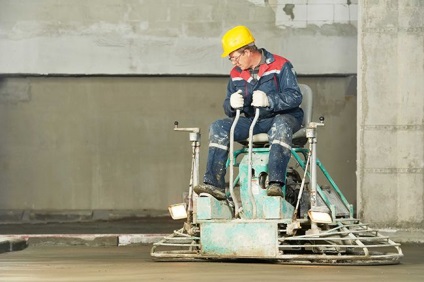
<point x="312" y="224"/>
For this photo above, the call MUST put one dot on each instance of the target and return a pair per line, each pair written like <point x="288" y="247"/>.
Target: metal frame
<point x="298" y="240"/>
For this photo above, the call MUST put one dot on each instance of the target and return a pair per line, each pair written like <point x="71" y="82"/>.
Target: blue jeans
<point x="280" y="130"/>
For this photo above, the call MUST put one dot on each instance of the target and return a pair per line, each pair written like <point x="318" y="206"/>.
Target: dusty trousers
<point x="280" y="130"/>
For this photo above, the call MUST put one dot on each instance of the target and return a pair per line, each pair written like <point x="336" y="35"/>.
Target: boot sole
<point x="274" y="193"/>
<point x="219" y="195"/>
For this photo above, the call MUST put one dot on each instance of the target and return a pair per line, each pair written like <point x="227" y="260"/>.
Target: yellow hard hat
<point x="236" y="38"/>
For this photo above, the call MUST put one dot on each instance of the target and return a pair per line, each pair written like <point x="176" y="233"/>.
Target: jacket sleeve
<point x="228" y="110"/>
<point x="288" y="95"/>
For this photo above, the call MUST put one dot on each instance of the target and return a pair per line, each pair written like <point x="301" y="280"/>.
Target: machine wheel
<point x="263" y="180"/>
<point x="293" y="183"/>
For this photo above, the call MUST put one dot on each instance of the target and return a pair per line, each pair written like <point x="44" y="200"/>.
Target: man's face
<point x="239" y="58"/>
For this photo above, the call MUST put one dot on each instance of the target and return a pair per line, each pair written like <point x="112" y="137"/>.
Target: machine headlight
<point x="178" y="211"/>
<point x="320" y="215"/>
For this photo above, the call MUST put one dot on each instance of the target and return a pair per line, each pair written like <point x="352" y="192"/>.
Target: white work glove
<point x="236" y="100"/>
<point x="260" y="99"/>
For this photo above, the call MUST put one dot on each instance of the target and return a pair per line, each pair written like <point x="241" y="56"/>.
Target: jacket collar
<point x="269" y="58"/>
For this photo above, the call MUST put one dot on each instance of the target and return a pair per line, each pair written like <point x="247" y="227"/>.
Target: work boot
<point x="274" y="190"/>
<point x="216" y="192"/>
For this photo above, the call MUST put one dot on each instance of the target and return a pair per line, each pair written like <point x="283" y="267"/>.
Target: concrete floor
<point x="88" y="251"/>
<point x="133" y="263"/>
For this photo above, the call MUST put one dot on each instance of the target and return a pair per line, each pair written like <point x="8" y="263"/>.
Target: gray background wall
<point x="108" y="142"/>
<point x="170" y="36"/>
<point x="89" y="92"/>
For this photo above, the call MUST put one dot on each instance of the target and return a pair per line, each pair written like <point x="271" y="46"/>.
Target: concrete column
<point x="391" y="113"/>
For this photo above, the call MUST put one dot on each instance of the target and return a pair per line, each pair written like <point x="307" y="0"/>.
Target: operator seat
<point x="299" y="137"/>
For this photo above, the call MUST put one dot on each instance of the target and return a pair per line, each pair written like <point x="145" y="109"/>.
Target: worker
<point x="259" y="79"/>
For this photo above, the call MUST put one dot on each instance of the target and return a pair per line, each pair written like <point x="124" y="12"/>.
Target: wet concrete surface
<point x="53" y="253"/>
<point x="133" y="263"/>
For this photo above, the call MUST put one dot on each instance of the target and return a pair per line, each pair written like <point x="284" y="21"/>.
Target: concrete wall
<point x="80" y="142"/>
<point x="107" y="143"/>
<point x="171" y="36"/>
<point x="391" y="113"/>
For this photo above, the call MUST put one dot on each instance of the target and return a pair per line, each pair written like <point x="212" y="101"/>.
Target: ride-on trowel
<point x="311" y="224"/>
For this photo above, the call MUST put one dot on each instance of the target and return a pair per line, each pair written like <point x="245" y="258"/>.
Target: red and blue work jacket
<point x="277" y="78"/>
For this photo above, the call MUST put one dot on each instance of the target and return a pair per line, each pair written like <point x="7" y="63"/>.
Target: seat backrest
<point x="306" y="103"/>
<point x="299" y="137"/>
